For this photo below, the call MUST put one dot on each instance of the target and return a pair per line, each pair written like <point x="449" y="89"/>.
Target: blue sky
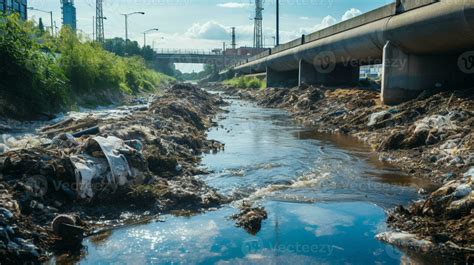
<point x="205" y="24"/>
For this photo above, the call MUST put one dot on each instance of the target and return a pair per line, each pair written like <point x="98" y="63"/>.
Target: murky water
<point x="325" y="195"/>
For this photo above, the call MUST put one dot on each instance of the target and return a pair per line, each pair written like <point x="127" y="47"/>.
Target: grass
<point x="245" y="82"/>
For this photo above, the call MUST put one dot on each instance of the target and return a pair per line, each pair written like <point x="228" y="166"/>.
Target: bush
<point x="245" y="82"/>
<point x="30" y="80"/>
<point x="43" y="75"/>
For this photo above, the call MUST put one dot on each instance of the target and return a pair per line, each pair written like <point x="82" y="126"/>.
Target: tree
<point x="41" y="25"/>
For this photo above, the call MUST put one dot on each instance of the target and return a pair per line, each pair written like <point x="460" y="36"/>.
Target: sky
<point x="206" y="24"/>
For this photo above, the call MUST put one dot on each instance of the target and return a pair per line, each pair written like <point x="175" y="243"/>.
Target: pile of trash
<point x="430" y="137"/>
<point x="444" y="220"/>
<point x="78" y="168"/>
<point x="438" y="125"/>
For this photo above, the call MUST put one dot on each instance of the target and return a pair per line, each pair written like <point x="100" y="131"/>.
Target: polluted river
<point x="326" y="197"/>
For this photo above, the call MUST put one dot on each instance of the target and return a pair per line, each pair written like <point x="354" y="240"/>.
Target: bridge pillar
<point x="281" y="78"/>
<point x="405" y="76"/>
<point x="328" y="75"/>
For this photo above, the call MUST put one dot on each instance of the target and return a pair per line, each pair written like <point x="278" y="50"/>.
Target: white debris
<point x="469" y="173"/>
<point x="403" y="239"/>
<point x="438" y="122"/>
<point x="117" y="161"/>
<point x="378" y="116"/>
<point x="87" y="168"/>
<point x="114" y="167"/>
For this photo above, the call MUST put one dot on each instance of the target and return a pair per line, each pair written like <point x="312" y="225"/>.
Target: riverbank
<point x="430" y="137"/>
<point x="91" y="173"/>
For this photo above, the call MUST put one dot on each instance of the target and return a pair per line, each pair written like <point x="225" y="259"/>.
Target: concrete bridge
<point x="421" y="44"/>
<point x="198" y="57"/>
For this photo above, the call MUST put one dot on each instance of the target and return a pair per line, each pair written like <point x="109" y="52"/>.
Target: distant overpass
<point x="198" y="57"/>
<point x="421" y="44"/>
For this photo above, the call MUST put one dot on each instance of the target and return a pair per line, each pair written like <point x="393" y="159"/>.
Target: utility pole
<point x="234" y="45"/>
<point x="277" y="22"/>
<point x="99" y="15"/>
<point x="258" y="24"/>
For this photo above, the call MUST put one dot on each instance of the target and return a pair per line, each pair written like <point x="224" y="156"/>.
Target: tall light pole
<point x="50" y="14"/>
<point x="126" y="21"/>
<point x="277" y="22"/>
<point x="144" y="35"/>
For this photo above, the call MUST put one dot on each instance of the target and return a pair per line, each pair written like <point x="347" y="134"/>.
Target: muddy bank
<point x="100" y="171"/>
<point x="430" y="137"/>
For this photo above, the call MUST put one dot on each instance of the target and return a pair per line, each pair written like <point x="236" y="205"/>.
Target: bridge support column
<point x="281" y="78"/>
<point x="405" y="75"/>
<point x="329" y="75"/>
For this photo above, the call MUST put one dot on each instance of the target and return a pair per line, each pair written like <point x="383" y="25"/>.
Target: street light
<point x="277" y="22"/>
<point x="126" y="21"/>
<point x="144" y="35"/>
<point x="48" y="12"/>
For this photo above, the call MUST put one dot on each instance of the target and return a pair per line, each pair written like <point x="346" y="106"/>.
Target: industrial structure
<point x="234" y="44"/>
<point x="258" y="25"/>
<point x="14" y="6"/>
<point x="69" y="14"/>
<point x="99" y="25"/>
<point x="421" y="45"/>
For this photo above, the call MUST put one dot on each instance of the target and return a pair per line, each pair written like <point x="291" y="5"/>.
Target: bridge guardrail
<point x="187" y="51"/>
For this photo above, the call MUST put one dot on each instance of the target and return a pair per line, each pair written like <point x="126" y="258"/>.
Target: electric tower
<point x="258" y="27"/>
<point x="99" y="16"/>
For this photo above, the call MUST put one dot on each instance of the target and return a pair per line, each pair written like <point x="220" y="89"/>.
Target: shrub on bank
<point x="30" y="79"/>
<point x="245" y="82"/>
<point x="41" y="74"/>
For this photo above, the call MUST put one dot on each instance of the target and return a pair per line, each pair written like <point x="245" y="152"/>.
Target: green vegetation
<point x="245" y="82"/>
<point x="41" y="74"/>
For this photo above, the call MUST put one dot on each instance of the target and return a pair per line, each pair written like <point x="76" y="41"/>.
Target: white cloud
<point x="326" y="22"/>
<point x="210" y="30"/>
<point x="234" y="5"/>
<point x="304" y="18"/>
<point x="353" y="12"/>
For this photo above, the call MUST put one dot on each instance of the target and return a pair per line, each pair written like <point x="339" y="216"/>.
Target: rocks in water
<point x="250" y="218"/>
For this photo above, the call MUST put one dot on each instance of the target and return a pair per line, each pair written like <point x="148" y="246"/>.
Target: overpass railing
<point x="187" y="51"/>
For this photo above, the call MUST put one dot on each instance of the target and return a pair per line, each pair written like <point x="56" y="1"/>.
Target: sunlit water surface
<point x="325" y="195"/>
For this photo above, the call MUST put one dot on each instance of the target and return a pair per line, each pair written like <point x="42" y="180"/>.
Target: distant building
<point x="14" y="6"/>
<point x="69" y="14"/>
